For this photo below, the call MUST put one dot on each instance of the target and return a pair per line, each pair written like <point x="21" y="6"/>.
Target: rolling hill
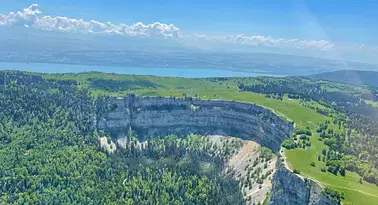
<point x="350" y="76"/>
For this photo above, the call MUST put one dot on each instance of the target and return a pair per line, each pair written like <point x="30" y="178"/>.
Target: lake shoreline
<point x="163" y="72"/>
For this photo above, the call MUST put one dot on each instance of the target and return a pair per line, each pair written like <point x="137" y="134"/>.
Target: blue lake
<point x="172" y="72"/>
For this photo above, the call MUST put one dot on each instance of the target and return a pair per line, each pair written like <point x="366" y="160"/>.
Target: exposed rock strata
<point x="289" y="189"/>
<point x="159" y="116"/>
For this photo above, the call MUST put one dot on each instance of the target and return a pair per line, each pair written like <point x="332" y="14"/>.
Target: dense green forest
<point x="353" y="144"/>
<point x="50" y="154"/>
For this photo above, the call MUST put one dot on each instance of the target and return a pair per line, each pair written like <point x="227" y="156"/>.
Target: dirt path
<point x="322" y="184"/>
<point x="264" y="186"/>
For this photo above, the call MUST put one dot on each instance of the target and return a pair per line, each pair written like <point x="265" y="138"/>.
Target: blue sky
<point x="343" y="23"/>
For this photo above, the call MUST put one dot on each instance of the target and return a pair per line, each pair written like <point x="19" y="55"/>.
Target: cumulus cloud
<point x="23" y="17"/>
<point x="268" y="41"/>
<point x="32" y="17"/>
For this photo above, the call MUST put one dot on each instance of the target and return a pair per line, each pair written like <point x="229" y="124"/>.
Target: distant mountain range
<point x="32" y="46"/>
<point x="350" y="76"/>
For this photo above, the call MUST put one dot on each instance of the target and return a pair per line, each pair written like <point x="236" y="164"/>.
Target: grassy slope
<point x="300" y="159"/>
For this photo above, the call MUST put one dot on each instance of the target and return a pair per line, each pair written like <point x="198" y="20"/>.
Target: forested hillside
<point x="350" y="76"/>
<point x="51" y="154"/>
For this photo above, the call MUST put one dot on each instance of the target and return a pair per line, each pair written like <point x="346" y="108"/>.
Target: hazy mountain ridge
<point x="54" y="47"/>
<point x="350" y="76"/>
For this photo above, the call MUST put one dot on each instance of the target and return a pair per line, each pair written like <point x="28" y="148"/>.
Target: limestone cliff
<point x="153" y="116"/>
<point x="160" y="116"/>
<point x="290" y="189"/>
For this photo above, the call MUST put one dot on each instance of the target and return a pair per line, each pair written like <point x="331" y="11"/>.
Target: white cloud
<point x="32" y="17"/>
<point x="23" y="17"/>
<point x="268" y="41"/>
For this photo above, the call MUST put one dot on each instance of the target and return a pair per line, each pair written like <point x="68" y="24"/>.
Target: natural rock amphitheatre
<point x="158" y="116"/>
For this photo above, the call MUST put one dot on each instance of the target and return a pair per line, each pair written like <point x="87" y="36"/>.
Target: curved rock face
<point x="289" y="189"/>
<point x="155" y="116"/>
